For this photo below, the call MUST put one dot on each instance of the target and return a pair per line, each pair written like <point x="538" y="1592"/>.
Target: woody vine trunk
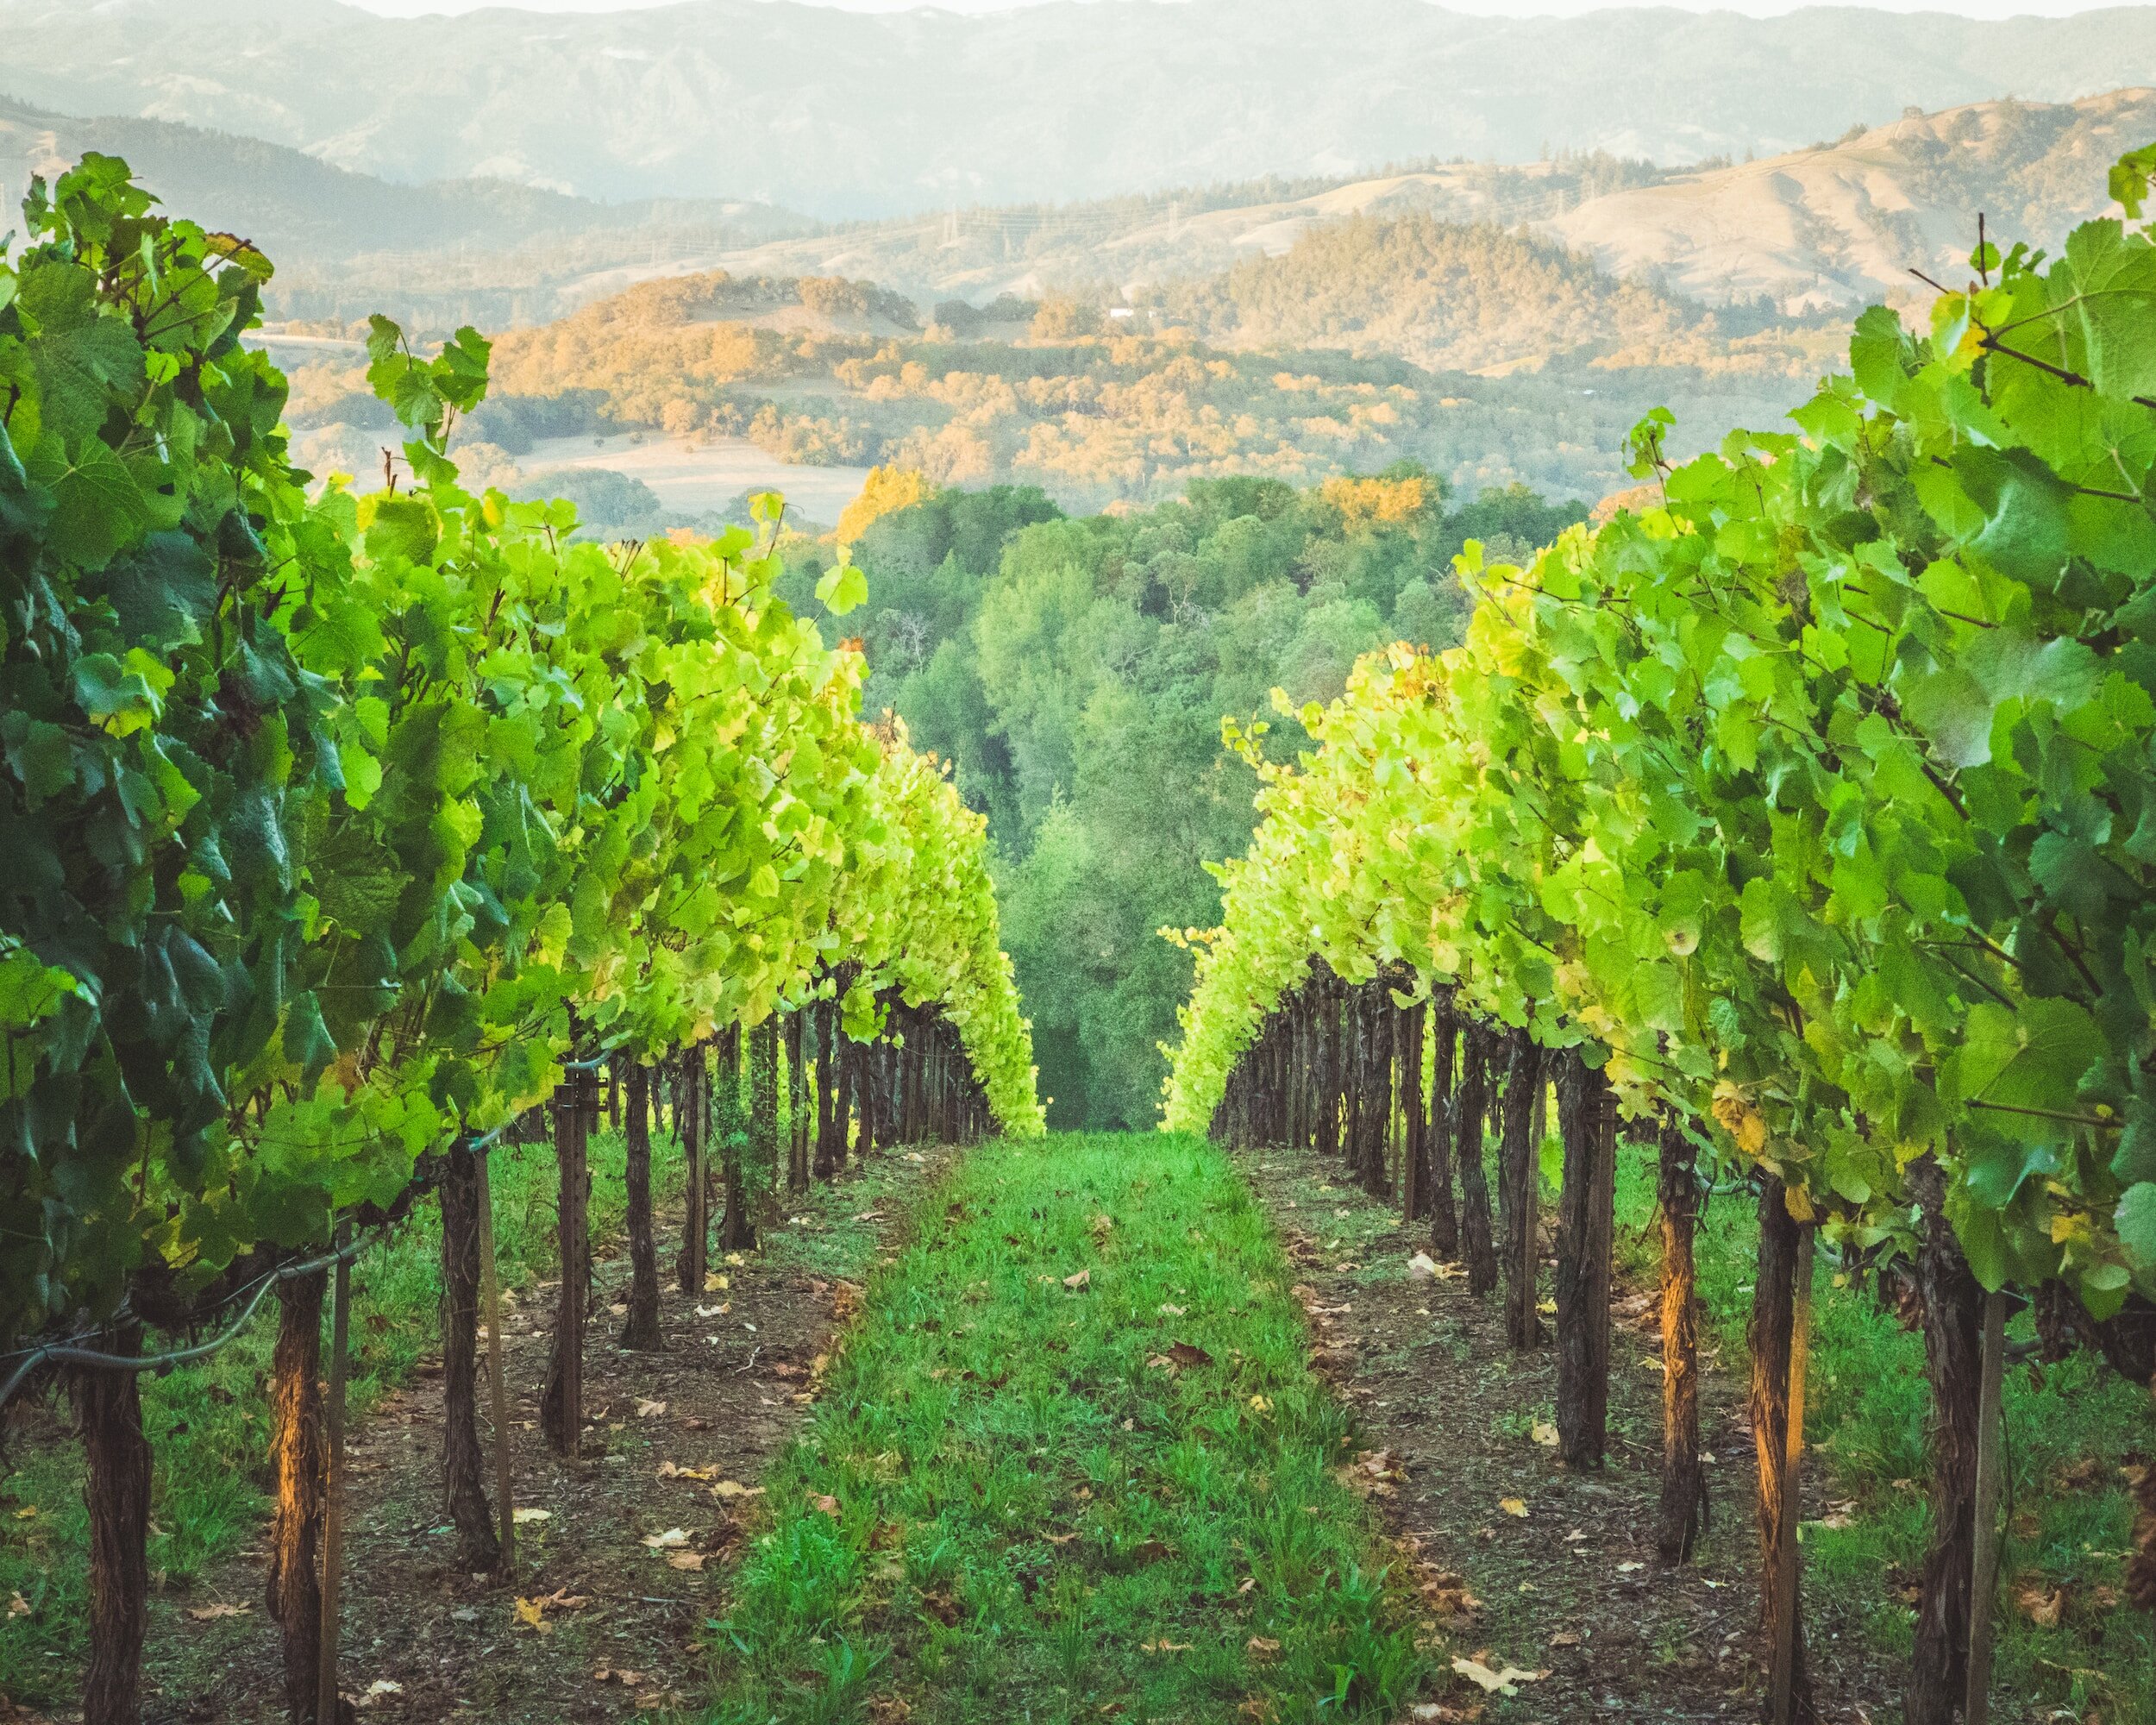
<point x="116" y="1490"/>
<point x="1771" y="1336"/>
<point x="641" y="1332"/>
<point x="1587" y="1119"/>
<point x="1519" y="1169"/>
<point x="463" y="1463"/>
<point x="298" y="1458"/>
<point x="1952" y="1303"/>
<point x="1471" y="1110"/>
<point x="1681" y="1514"/>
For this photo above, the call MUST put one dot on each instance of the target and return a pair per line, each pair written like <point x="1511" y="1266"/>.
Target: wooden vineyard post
<point x="1520" y="1176"/>
<point x="562" y="1407"/>
<point x="1413" y="1156"/>
<point x="1784" y="1684"/>
<point x="1984" y="1569"/>
<point x="692" y="1123"/>
<point x="497" y="1373"/>
<point x="333" y="1507"/>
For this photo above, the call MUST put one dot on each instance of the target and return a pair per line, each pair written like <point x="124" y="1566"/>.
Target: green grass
<point x="2066" y="1437"/>
<point x="1033" y="1521"/>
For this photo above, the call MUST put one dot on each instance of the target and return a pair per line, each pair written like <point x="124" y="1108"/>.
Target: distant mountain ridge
<point x="846" y="114"/>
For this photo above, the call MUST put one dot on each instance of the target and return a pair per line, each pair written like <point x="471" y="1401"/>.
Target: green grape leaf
<point x="842" y="587"/>
<point x="2136" y="1222"/>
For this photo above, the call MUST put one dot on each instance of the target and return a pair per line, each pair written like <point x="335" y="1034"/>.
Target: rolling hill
<point x="1846" y="223"/>
<point x="345" y="243"/>
<point x="848" y="115"/>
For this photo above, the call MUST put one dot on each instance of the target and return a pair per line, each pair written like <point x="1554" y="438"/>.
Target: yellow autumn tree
<point x="884" y="492"/>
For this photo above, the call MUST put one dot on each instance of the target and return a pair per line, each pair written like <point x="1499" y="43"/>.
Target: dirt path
<point x="617" y="1618"/>
<point x="1570" y="1587"/>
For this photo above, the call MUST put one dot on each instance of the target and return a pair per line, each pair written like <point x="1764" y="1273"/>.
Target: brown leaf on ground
<point x="631" y="1679"/>
<point x="201" y="1614"/>
<point x="1505" y="1682"/>
<point x="827" y="1504"/>
<point x="1189" y="1354"/>
<point x="1082" y="1279"/>
<point x="691" y="1561"/>
<point x="2039" y="1601"/>
<point x="1263" y="1649"/>
<point x="1447" y="1596"/>
<point x="1514" y="1506"/>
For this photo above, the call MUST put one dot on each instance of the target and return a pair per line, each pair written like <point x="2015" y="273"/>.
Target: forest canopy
<point x="1075" y="670"/>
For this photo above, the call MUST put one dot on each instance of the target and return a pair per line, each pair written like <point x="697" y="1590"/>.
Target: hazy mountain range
<point x="843" y="114"/>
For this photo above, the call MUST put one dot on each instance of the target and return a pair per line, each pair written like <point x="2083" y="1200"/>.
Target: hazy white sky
<point x="1519" y="9"/>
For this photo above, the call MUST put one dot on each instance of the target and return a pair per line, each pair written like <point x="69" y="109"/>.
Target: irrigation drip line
<point x="68" y="1353"/>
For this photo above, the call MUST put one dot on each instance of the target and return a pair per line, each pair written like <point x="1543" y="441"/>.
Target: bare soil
<point x="1570" y="1588"/>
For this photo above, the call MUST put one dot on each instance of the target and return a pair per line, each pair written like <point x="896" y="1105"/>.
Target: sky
<point x="1518" y="9"/>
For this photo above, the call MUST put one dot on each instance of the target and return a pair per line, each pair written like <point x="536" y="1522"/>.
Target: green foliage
<point x="1027" y="1509"/>
<point x="340" y="823"/>
<point x="1813" y="799"/>
<point x="1074" y="671"/>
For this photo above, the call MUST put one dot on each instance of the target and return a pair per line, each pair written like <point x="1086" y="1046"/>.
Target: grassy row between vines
<point x="1072" y="1465"/>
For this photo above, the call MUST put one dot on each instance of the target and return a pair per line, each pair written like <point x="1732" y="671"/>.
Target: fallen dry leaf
<point x="734" y="1488"/>
<point x="1512" y="1506"/>
<point x="669" y="1471"/>
<point x="688" y="1561"/>
<point x="1082" y="1279"/>
<point x="606" y="1674"/>
<point x="825" y="1504"/>
<point x="1173" y="1311"/>
<point x="1505" y="1682"/>
<point x="1565" y="1638"/>
<point x="532" y="1616"/>
<point x="1164" y="1646"/>
<point x="527" y="1515"/>
<point x="201" y="1614"/>
<point x="1447" y="1595"/>
<point x="1261" y="1647"/>
<point x="716" y="1284"/>
<point x="671" y="1537"/>
<point x="17" y="1605"/>
<point x="1189" y="1354"/>
<point x="2041" y="1603"/>
<point x="649" y="1410"/>
<point x="1544" y="1433"/>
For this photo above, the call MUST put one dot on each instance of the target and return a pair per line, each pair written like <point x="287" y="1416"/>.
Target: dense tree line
<point x="1075" y="671"/>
